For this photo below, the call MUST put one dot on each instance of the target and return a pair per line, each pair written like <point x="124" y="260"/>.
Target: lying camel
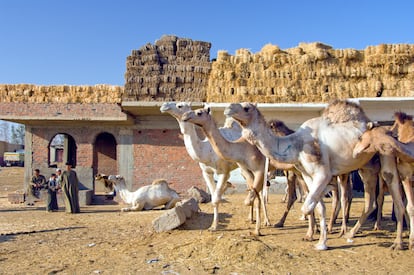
<point x="147" y="197"/>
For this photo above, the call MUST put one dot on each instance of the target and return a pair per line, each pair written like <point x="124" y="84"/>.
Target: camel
<point x="201" y="151"/>
<point x="379" y="140"/>
<point x="248" y="157"/>
<point x="320" y="148"/>
<point x="147" y="197"/>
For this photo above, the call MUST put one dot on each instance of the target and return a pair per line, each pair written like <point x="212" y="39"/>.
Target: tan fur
<point x="404" y="126"/>
<point x="340" y="111"/>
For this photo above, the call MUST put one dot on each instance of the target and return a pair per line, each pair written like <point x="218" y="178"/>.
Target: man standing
<point x="70" y="189"/>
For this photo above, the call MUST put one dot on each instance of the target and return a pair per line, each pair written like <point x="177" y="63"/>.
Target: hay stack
<point x="312" y="72"/>
<point x="60" y="94"/>
<point x="173" y="69"/>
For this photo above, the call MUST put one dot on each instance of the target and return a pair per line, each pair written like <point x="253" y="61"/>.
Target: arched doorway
<point x="104" y="158"/>
<point x="62" y="148"/>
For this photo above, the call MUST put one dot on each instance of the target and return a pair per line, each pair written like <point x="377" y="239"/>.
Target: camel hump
<point x="160" y="182"/>
<point x="340" y="111"/>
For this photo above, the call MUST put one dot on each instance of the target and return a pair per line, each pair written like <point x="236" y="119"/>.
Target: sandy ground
<point x="102" y="240"/>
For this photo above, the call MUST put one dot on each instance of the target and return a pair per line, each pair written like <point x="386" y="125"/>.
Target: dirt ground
<point x="102" y="240"/>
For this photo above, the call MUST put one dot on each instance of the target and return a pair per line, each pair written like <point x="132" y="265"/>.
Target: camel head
<point x="243" y="113"/>
<point x="104" y="180"/>
<point x="403" y="127"/>
<point x="279" y="127"/>
<point x="175" y="109"/>
<point x="198" y="117"/>
<point x="377" y="139"/>
<point x="116" y="180"/>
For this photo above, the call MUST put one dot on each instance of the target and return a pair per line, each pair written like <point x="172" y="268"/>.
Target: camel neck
<point x="284" y="149"/>
<point x="224" y="148"/>
<point x="194" y="145"/>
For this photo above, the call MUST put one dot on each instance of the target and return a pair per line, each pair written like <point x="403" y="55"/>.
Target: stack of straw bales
<point x="312" y="72"/>
<point x="174" y="69"/>
<point x="30" y="93"/>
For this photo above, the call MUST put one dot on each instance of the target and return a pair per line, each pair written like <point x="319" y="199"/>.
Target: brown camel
<point x="320" y="148"/>
<point x="248" y="157"/>
<point x="379" y="140"/>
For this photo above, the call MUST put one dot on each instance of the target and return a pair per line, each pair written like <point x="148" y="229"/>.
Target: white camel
<point x="147" y="197"/>
<point x="201" y="151"/>
<point x="321" y="148"/>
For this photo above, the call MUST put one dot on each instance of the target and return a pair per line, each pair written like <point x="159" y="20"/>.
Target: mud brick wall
<point x="161" y="154"/>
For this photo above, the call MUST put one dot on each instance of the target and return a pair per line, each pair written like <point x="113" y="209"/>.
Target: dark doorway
<point x="104" y="158"/>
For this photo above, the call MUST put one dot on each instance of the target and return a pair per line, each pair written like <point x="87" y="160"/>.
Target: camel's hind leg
<point x="390" y="175"/>
<point x="406" y="173"/>
<point x="380" y="203"/>
<point x="291" y="193"/>
<point x="369" y="177"/>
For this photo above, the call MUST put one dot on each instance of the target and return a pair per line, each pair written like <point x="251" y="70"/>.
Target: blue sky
<point x="86" y="42"/>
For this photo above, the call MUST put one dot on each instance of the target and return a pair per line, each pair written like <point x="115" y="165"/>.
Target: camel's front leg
<point x="208" y="177"/>
<point x="311" y="227"/>
<point x="216" y="199"/>
<point x="171" y="203"/>
<point x="321" y="245"/>
<point x="264" y="206"/>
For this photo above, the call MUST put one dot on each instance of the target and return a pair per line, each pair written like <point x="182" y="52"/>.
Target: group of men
<point x="67" y="181"/>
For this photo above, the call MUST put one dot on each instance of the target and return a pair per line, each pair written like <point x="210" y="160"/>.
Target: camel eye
<point x="199" y="113"/>
<point x="246" y="109"/>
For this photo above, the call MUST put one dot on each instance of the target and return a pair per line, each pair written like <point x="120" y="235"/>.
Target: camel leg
<point x="216" y="199"/>
<point x="369" y="177"/>
<point x="336" y="207"/>
<point x="311" y="227"/>
<point x="171" y="203"/>
<point x="264" y="206"/>
<point x="291" y="193"/>
<point x="208" y="176"/>
<point x="259" y="205"/>
<point x="343" y="183"/>
<point x="390" y="175"/>
<point x="406" y="173"/>
<point x="380" y="203"/>
<point x="258" y="187"/>
<point x="321" y="209"/>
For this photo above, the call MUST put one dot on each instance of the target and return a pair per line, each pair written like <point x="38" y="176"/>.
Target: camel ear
<point x="208" y="110"/>
<point x="255" y="104"/>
